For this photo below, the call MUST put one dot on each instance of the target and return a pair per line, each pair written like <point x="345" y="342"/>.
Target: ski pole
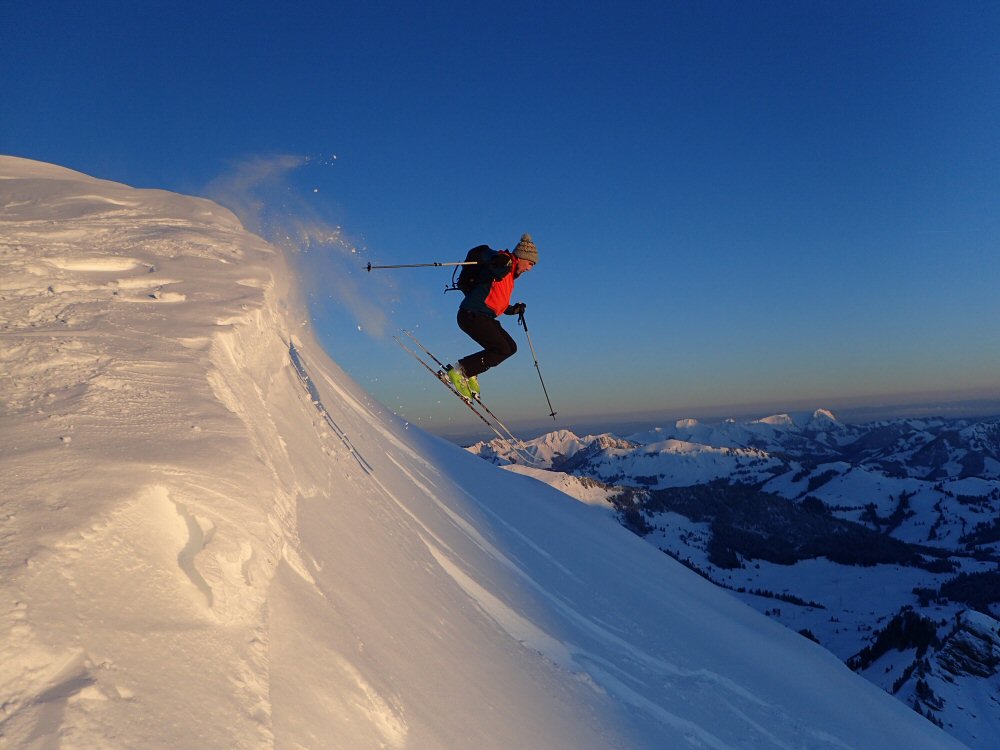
<point x="524" y="325"/>
<point x="436" y="264"/>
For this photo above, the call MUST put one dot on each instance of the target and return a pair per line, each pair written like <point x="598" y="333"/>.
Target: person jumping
<point x="487" y="297"/>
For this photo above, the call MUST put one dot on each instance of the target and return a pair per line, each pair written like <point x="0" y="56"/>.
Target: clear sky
<point x="738" y="205"/>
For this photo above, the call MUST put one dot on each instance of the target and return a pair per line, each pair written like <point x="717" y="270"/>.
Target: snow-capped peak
<point x="778" y="420"/>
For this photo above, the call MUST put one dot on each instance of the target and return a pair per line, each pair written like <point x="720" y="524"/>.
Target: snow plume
<point x="261" y="192"/>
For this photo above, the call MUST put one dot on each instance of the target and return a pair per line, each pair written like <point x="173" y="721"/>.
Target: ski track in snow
<point x="314" y="395"/>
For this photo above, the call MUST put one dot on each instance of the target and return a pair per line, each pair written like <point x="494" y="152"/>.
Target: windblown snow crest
<point x="125" y="315"/>
<point x="210" y="537"/>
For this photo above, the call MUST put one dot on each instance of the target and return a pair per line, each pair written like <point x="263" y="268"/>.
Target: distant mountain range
<point x="880" y="541"/>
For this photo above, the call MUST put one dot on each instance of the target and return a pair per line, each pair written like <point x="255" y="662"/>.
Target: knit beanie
<point x="526" y="249"/>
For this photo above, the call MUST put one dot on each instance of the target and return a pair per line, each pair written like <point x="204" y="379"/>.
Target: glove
<point x="517" y="309"/>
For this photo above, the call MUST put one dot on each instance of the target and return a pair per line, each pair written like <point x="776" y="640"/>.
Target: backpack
<point x="469" y="276"/>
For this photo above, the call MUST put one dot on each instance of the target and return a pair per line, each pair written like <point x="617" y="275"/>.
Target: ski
<point x="518" y="444"/>
<point x="510" y="441"/>
<point x="515" y="442"/>
<point x="447" y="384"/>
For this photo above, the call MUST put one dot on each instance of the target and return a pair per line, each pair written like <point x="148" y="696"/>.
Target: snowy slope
<point x="210" y="537"/>
<point x="879" y="540"/>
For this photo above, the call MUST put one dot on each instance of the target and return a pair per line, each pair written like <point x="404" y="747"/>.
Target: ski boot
<point x="460" y="383"/>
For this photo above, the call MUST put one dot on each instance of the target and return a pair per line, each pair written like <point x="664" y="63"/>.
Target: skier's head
<point x="526" y="250"/>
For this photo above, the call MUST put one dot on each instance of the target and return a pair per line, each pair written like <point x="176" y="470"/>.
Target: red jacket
<point x="493" y="290"/>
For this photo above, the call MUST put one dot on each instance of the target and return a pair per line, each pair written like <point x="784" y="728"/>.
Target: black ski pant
<point x="486" y="331"/>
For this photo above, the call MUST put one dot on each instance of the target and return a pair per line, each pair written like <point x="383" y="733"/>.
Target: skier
<point x="488" y="296"/>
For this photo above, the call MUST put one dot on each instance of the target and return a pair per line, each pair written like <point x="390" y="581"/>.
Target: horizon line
<point x="981" y="407"/>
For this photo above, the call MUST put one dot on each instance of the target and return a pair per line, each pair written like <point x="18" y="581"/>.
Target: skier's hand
<point x="516" y="309"/>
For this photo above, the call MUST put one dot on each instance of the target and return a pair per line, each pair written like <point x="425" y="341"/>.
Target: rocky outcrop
<point x="973" y="649"/>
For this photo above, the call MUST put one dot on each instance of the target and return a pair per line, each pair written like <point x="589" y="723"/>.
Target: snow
<point x="778" y="420"/>
<point x="211" y="537"/>
<point x="973" y="486"/>
<point x="586" y="492"/>
<point x="763" y="432"/>
<point x="844" y="607"/>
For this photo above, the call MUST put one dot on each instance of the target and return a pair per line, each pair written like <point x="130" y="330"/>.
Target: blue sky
<point x="739" y="206"/>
